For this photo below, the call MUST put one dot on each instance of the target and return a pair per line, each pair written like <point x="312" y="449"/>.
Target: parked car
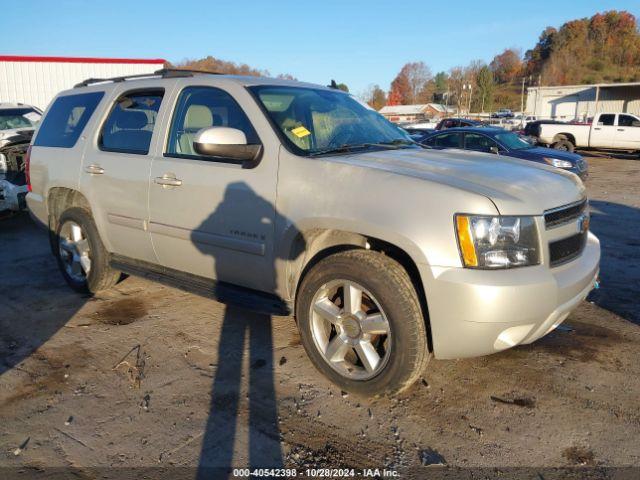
<point x="256" y="191"/>
<point x="607" y="131"/>
<point x="417" y="134"/>
<point x="503" y="113"/>
<point x="501" y="142"/>
<point x="13" y="183"/>
<point x="457" y="122"/>
<point x="16" y="118"/>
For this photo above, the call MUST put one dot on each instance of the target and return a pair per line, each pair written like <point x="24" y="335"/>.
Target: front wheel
<point x="83" y="260"/>
<point x="361" y="323"/>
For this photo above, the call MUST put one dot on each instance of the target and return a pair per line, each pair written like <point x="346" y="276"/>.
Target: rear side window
<point x="606" y="119"/>
<point x="129" y="127"/>
<point x="66" y="120"/>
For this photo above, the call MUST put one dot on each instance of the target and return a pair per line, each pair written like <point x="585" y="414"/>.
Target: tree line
<point x="603" y="48"/>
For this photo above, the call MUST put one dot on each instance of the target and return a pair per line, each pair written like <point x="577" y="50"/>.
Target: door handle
<point x="94" y="169"/>
<point x="168" y="181"/>
<point x="597" y="128"/>
<point x="621" y="129"/>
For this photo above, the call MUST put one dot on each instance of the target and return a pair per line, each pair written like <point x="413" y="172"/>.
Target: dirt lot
<point x="148" y="376"/>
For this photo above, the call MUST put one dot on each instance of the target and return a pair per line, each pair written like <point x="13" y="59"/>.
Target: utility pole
<point x="522" y="103"/>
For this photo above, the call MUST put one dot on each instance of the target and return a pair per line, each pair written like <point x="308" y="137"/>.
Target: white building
<point x="36" y="80"/>
<point x="415" y="113"/>
<point x="583" y="101"/>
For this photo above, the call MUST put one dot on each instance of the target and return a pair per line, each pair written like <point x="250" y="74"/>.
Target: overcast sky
<point x="355" y="42"/>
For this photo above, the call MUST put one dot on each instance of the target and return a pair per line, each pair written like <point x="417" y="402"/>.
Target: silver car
<point x="294" y="198"/>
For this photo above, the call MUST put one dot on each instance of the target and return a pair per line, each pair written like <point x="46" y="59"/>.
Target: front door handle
<point x="168" y="180"/>
<point x="597" y="128"/>
<point x="621" y="129"/>
<point x="94" y="169"/>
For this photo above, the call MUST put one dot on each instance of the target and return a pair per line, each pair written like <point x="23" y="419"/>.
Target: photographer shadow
<point x="242" y="330"/>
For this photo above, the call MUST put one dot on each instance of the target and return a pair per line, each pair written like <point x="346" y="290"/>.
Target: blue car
<point x="503" y="142"/>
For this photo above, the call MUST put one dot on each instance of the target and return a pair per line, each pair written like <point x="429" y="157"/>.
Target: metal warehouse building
<point x="36" y="80"/>
<point x="583" y="101"/>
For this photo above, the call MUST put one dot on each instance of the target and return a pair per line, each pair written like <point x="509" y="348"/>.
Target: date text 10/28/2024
<point x="315" y="473"/>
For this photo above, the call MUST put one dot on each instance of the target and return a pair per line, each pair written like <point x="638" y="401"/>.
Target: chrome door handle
<point x="94" y="169"/>
<point x="168" y="181"/>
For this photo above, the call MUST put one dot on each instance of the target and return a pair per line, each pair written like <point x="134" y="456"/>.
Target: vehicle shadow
<point x="611" y="154"/>
<point x="35" y="301"/>
<point x="242" y="330"/>
<point x="618" y="228"/>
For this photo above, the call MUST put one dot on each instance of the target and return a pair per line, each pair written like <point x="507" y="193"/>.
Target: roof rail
<point x="162" y="73"/>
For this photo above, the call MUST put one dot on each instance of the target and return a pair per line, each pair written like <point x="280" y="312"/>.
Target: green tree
<point x="486" y="86"/>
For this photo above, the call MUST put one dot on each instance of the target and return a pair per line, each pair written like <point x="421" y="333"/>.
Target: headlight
<point x="497" y="242"/>
<point x="556" y="162"/>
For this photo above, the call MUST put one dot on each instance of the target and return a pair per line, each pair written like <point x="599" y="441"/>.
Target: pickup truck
<point x="288" y="197"/>
<point x="608" y="131"/>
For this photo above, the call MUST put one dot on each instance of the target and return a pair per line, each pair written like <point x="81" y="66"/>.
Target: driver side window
<point x="203" y="107"/>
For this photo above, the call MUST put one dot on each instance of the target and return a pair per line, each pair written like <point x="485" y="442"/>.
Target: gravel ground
<point x="150" y="377"/>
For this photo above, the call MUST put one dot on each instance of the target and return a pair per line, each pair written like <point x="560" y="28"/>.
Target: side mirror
<point x="494" y="149"/>
<point x="225" y="142"/>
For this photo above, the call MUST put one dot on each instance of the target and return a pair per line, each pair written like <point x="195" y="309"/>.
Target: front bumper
<point x="12" y="197"/>
<point x="478" y="312"/>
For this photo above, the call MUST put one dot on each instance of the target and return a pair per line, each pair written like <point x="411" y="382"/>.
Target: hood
<point x="516" y="187"/>
<point x="15" y="135"/>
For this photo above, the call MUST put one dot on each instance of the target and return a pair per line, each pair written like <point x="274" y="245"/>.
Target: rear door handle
<point x="597" y="128"/>
<point x="168" y="180"/>
<point x="621" y="129"/>
<point x="94" y="169"/>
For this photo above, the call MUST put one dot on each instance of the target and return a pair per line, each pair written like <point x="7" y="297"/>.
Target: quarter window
<point x="129" y="127"/>
<point x="66" y="120"/>
<point x="204" y="107"/>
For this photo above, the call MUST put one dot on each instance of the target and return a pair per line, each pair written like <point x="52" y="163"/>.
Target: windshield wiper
<point x="346" y="148"/>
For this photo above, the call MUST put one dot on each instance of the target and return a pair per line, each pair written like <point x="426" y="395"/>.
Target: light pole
<point x="468" y="86"/>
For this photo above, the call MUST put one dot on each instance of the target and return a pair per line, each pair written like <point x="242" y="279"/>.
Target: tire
<point x="387" y="292"/>
<point x="101" y="276"/>
<point x="565" y="145"/>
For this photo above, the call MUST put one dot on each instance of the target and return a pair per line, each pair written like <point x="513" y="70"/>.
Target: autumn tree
<point x="603" y="48"/>
<point x="212" y="64"/>
<point x="507" y="66"/>
<point x="375" y="97"/>
<point x="411" y="85"/>
<point x="400" y="93"/>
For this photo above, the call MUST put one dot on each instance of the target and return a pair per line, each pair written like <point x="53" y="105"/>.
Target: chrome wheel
<point x="350" y="329"/>
<point x="74" y="251"/>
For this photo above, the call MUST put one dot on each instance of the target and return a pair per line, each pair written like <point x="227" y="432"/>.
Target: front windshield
<point x="11" y="118"/>
<point x="513" y="141"/>
<point x="315" y="121"/>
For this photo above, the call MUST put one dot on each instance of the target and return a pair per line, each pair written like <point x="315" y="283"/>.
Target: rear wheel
<point x="82" y="258"/>
<point x="361" y="323"/>
<point x="564" y="145"/>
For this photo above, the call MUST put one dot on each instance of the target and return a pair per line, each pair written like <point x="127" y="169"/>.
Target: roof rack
<point x="162" y="73"/>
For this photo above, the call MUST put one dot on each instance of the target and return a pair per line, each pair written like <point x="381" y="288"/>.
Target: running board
<point x="205" y="287"/>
